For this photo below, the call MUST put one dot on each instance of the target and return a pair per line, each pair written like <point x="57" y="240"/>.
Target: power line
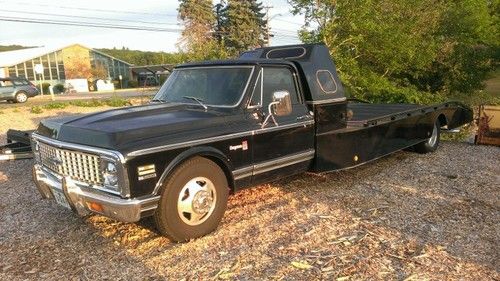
<point x="85" y="17"/>
<point x="93" y="9"/>
<point x="290" y="22"/>
<point x="88" y="24"/>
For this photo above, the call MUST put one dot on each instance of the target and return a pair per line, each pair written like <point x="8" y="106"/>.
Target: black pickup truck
<point x="219" y="126"/>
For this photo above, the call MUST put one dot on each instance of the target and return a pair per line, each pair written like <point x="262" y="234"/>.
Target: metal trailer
<point x="17" y="147"/>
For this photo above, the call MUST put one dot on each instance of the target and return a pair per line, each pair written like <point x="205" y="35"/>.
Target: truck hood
<point x="137" y="126"/>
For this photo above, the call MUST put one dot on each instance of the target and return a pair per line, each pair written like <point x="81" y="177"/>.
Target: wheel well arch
<point x="443" y="121"/>
<point x="209" y="153"/>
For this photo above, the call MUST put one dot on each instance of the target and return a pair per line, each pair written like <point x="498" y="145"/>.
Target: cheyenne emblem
<point x="242" y="146"/>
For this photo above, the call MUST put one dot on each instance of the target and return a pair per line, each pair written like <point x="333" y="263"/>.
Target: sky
<point x="161" y="15"/>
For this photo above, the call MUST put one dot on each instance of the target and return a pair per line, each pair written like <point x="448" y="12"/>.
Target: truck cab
<point x="219" y="126"/>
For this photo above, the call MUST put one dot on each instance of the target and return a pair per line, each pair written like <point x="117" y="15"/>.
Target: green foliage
<point x="45" y="87"/>
<point x="36" y="110"/>
<point x="137" y="57"/>
<point x="55" y="105"/>
<point x="197" y="38"/>
<point x="116" y="102"/>
<point x="5" y="48"/>
<point x="58" y="88"/>
<point x="242" y="25"/>
<point x="113" y="102"/>
<point x="133" y="84"/>
<point x="404" y="50"/>
<point x="87" y="103"/>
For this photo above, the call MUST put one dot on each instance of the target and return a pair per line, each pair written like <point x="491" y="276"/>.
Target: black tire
<point x="167" y="216"/>
<point x="21" y="97"/>
<point x="432" y="143"/>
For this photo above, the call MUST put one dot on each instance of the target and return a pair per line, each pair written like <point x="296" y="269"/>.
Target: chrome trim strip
<point x="80" y="147"/>
<point x="273" y="164"/>
<point x="327" y="101"/>
<point x="333" y="79"/>
<point x="242" y="173"/>
<point x="215" y="139"/>
<point x="286" y="48"/>
<point x="283" y="162"/>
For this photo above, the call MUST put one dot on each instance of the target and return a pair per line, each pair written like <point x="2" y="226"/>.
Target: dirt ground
<point x="403" y="217"/>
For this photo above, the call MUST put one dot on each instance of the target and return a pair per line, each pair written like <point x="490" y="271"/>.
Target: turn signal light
<point x="96" y="207"/>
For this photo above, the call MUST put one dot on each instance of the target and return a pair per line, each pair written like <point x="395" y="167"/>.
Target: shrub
<point x="55" y="105"/>
<point x="36" y="110"/>
<point x="87" y="103"/>
<point x="133" y="84"/>
<point x="117" y="102"/>
<point x="59" y="88"/>
<point x="45" y="87"/>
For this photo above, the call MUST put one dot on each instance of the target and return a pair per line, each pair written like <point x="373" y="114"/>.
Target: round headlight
<point x="110" y="179"/>
<point x="111" y="168"/>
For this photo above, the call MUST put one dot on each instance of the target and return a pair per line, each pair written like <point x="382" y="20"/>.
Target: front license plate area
<point x="60" y="198"/>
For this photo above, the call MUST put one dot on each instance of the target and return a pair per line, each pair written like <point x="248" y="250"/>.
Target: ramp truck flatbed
<point x="219" y="126"/>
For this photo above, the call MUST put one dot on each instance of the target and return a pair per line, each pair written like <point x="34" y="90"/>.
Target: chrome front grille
<point x="77" y="165"/>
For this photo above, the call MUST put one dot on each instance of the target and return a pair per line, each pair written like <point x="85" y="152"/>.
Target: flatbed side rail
<point x="404" y="114"/>
<point x="17" y="147"/>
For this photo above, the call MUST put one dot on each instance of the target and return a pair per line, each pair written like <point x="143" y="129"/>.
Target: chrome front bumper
<point x="80" y="197"/>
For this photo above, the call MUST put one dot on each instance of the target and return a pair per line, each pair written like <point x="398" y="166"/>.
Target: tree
<point x="77" y="69"/>
<point x="243" y="25"/>
<point x="404" y="50"/>
<point x="197" y="38"/>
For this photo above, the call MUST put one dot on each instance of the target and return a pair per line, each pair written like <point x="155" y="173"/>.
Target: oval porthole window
<point x="326" y="81"/>
<point x="286" y="53"/>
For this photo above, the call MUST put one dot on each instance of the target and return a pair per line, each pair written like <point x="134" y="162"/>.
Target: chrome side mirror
<point x="280" y="106"/>
<point x="283" y="106"/>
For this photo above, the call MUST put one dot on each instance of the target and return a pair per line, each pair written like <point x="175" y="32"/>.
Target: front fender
<point x="205" y="151"/>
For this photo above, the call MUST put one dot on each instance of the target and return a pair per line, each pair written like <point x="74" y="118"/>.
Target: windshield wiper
<point x="200" y="101"/>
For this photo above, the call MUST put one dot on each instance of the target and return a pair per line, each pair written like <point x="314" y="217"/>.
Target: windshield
<point x="213" y="86"/>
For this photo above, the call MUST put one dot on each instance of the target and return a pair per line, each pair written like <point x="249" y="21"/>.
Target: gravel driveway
<point x="406" y="216"/>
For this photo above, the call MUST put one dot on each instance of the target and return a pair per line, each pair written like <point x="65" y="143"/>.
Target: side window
<point x="278" y="79"/>
<point x="7" y="83"/>
<point x="256" y="99"/>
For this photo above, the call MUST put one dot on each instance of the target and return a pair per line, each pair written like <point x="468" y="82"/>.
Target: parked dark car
<point x="17" y="89"/>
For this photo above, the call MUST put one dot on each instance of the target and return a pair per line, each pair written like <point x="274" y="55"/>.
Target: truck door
<point x="286" y="144"/>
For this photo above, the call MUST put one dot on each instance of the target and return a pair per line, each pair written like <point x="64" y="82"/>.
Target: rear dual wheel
<point x="193" y="200"/>
<point x="432" y="143"/>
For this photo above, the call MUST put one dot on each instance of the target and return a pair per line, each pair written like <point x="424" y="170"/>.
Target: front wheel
<point x="432" y="143"/>
<point x="193" y="200"/>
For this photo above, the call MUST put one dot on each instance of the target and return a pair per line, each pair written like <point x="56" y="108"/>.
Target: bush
<point x="87" y="103"/>
<point x="59" y="89"/>
<point x="36" y="110"/>
<point x="132" y="84"/>
<point x="55" y="105"/>
<point x="45" y="87"/>
<point x="117" y="102"/>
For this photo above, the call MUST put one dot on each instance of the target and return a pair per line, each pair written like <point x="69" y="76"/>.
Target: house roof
<point x="11" y="58"/>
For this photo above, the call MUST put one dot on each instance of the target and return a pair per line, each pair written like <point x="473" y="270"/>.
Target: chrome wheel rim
<point x="196" y="201"/>
<point x="21" y="97"/>
<point x="433" y="139"/>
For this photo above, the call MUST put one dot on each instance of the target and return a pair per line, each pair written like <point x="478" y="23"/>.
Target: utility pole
<point x="267" y="38"/>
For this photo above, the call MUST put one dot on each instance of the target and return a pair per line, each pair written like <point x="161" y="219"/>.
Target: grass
<point x="112" y="102"/>
<point x="36" y="110"/>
